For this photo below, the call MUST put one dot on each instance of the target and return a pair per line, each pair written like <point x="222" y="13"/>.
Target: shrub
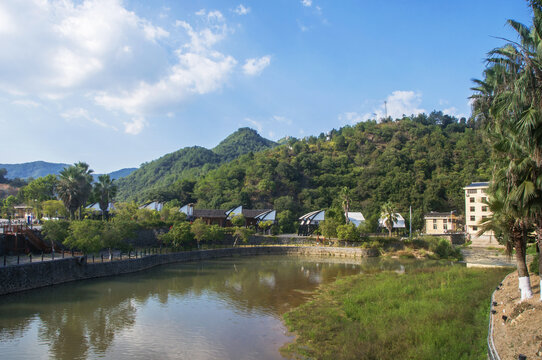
<point x="444" y="250"/>
<point x="85" y="235"/>
<point x="179" y="236"/>
<point x="348" y="232"/>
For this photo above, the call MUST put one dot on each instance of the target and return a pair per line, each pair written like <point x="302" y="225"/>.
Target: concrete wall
<point x="22" y="277"/>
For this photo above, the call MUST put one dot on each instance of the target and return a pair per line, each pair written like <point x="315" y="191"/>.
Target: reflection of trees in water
<point x="80" y="317"/>
<point x="73" y="319"/>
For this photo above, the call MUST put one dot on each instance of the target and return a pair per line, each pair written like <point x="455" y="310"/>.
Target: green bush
<point x="179" y="236"/>
<point x="85" y="235"/>
<point x="444" y="250"/>
<point x="56" y="230"/>
<point x="348" y="232"/>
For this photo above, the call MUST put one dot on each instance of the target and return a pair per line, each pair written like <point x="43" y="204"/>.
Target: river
<point x="218" y="309"/>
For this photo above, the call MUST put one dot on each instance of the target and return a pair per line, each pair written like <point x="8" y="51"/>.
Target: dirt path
<point x="486" y="257"/>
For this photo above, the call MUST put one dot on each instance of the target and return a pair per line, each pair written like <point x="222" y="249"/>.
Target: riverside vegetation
<point x="428" y="313"/>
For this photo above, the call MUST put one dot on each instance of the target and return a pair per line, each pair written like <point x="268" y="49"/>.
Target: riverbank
<point x="516" y="326"/>
<point x="29" y="276"/>
<point x="431" y="313"/>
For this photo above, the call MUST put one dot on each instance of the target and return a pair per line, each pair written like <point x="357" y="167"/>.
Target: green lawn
<point x="431" y="313"/>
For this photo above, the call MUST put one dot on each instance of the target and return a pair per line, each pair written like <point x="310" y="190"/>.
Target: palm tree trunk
<point x="539" y="244"/>
<point x="523" y="273"/>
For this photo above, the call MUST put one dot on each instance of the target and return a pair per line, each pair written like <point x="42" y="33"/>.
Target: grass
<point x="431" y="313"/>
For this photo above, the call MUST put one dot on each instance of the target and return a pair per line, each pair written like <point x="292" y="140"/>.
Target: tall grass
<point x="431" y="313"/>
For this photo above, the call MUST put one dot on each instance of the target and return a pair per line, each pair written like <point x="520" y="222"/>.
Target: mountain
<point x="151" y="179"/>
<point x="34" y="169"/>
<point x="241" y="142"/>
<point x="422" y="161"/>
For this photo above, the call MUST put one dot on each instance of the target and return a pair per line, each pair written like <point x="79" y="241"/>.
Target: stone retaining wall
<point x="22" y="277"/>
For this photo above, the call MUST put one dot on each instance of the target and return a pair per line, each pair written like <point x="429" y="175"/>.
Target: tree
<point x="200" y="230"/>
<point x="243" y="234"/>
<point x="179" y="236"/>
<point x="56" y="231"/>
<point x="85" y="235"/>
<point x="104" y="190"/>
<point x="511" y="224"/>
<point x="238" y="220"/>
<point x="54" y="209"/>
<point x="345" y="197"/>
<point x="509" y="100"/>
<point x="39" y="190"/>
<point x="387" y="212"/>
<point x="286" y="221"/>
<point x="74" y="187"/>
<point x="348" y="232"/>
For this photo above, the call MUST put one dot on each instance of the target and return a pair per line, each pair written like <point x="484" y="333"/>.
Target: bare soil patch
<point x="517" y="326"/>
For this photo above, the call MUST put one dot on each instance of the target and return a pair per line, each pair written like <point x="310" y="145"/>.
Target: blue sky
<point x="118" y="83"/>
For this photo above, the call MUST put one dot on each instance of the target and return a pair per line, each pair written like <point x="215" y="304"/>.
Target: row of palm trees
<point x="74" y="188"/>
<point x="508" y="102"/>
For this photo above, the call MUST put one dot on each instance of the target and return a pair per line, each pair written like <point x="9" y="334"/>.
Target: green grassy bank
<point x="429" y="313"/>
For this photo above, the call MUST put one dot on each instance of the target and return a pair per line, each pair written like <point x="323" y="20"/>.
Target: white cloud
<point x="80" y="113"/>
<point x="452" y="111"/>
<point x="282" y="120"/>
<point x="256" y="66"/>
<point x="306" y="3"/>
<point x="241" y="10"/>
<point x="257" y="124"/>
<point x="397" y="104"/>
<point x="101" y="54"/>
<point x="26" y="103"/>
<point x="351" y="117"/>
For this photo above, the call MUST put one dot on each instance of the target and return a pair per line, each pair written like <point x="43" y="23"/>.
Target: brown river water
<point x="218" y="309"/>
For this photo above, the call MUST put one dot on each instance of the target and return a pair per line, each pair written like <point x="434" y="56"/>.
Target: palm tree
<point x="345" y="196"/>
<point x="511" y="224"/>
<point x="389" y="215"/>
<point x="509" y="100"/>
<point x="74" y="186"/>
<point x="85" y="184"/>
<point x="104" y="190"/>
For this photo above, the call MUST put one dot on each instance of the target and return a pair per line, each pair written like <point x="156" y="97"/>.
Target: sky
<point x="118" y="83"/>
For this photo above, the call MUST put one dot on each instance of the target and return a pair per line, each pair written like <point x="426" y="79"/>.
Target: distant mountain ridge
<point x="36" y="169"/>
<point x="188" y="163"/>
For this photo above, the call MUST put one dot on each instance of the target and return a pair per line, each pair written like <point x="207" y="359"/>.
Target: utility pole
<point x="410" y="224"/>
<point x="386" y="109"/>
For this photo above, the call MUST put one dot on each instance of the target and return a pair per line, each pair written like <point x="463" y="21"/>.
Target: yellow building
<point x="476" y="211"/>
<point x="437" y="223"/>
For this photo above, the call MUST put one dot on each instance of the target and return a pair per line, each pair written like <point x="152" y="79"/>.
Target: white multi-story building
<point x="476" y="211"/>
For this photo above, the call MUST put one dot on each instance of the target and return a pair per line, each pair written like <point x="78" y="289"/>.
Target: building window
<point x="484" y="200"/>
<point x="484" y="217"/>
<point x="475" y="228"/>
<point x="472" y="191"/>
<point x="471" y="199"/>
<point x="472" y="218"/>
<point x="445" y="224"/>
<point x="484" y="208"/>
<point x="472" y="208"/>
<point x="434" y="224"/>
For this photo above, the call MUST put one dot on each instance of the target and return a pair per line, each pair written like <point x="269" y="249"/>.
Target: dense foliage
<point x="423" y="161"/>
<point x="162" y="179"/>
<point x="508" y="103"/>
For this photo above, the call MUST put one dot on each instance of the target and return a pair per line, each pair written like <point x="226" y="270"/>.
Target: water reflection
<point x="227" y="308"/>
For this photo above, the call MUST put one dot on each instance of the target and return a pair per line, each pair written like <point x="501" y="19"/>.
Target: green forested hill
<point x="423" y="161"/>
<point x="241" y="142"/>
<point x="155" y="180"/>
